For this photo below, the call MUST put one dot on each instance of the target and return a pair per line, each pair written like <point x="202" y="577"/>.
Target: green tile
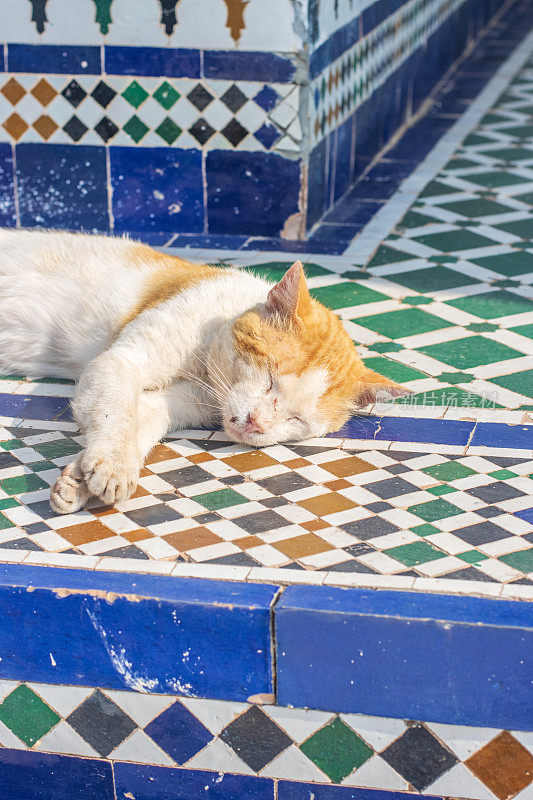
<point x="58" y="448"/>
<point x="275" y="270"/>
<point x="135" y="94"/>
<point x="503" y="474"/>
<point x="520" y="382"/>
<point x="24" y="713"/>
<point x="475" y="138"/>
<point x="223" y="498"/>
<point x="515" y="263"/>
<point x="387" y="347"/>
<point x="435" y="509"/>
<point x="510" y="154"/>
<point x="495" y="179"/>
<point x="471" y="556"/>
<point x="449" y="471"/>
<point x="341" y="295"/>
<point x="5" y="522"/>
<point x="166" y="95"/>
<point x="41" y="466"/>
<point x="8" y="502"/>
<point x="12" y="444"/>
<point x="442" y="489"/>
<point x="417" y="300"/>
<point x="473" y="351"/>
<point x="522" y="560"/>
<point x="425" y="530"/>
<point x="394" y="369"/>
<point x="455" y="377"/>
<point x="413" y="219"/>
<point x="337" y="750"/>
<point x="168" y="130"/>
<point x="448" y="396"/>
<point x="12" y="378"/>
<point x="436" y="188"/>
<point x="405" y="322"/>
<point x="388" y="255"/>
<point x="524" y="330"/>
<point x="433" y="279"/>
<point x="22" y="484"/>
<point x="460" y="163"/>
<point x="453" y="241"/>
<point x="523" y="228"/>
<point x="481" y="327"/>
<point x="136" y="129"/>
<point x="525" y="198"/>
<point x="414" y="553"/>
<point x="476" y="208"/>
<point x="490" y="305"/>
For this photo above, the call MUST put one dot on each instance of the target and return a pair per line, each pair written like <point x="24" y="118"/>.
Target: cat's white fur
<point x="62" y="299"/>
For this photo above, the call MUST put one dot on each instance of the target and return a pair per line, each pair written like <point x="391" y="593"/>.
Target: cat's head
<point x="294" y="371"/>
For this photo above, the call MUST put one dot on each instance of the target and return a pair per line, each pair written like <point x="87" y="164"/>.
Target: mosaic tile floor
<point x="271" y="741"/>
<point x="443" y="305"/>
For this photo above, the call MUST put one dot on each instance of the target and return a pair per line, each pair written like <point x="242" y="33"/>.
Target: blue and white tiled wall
<point x="220" y="117"/>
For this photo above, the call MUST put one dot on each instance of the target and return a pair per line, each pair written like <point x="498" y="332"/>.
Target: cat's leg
<point x="70" y="492"/>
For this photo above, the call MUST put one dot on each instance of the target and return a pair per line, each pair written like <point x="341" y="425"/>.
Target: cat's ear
<point x="290" y="296"/>
<point x="372" y="388"/>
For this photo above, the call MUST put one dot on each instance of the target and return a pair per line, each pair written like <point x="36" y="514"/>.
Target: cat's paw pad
<point x="70" y="492"/>
<point x="110" y="478"/>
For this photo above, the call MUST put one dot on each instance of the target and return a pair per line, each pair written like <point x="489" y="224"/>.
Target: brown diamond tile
<point x="340" y="483"/>
<point x="193" y="538"/>
<point x="93" y="531"/>
<point x="145" y="472"/>
<point x="13" y="91"/>
<point x="309" y="544"/>
<point x="138" y="535"/>
<point x="200" y="458"/>
<point x="314" y="525"/>
<point x="103" y="511"/>
<point x="328" y="503"/>
<point x="15" y="126"/>
<point x="344" y="467"/>
<point x="296" y="463"/>
<point x="43" y="92"/>
<point x="161" y="453"/>
<point x="248" y="541"/>
<point x="244" y="462"/>
<point x="45" y="126"/>
<point x="504" y="765"/>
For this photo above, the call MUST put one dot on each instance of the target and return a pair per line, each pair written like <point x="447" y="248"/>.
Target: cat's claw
<point x="70" y="492"/>
<point x="110" y="479"/>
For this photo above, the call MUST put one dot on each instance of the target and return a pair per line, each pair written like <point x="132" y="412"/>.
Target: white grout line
<point x="388" y="217"/>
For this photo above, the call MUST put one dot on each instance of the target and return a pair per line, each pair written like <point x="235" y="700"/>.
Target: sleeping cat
<point x="157" y="343"/>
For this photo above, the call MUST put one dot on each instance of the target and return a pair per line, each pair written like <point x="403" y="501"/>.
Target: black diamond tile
<point x="42" y="508"/>
<point x="391" y="487"/>
<point x="261" y="522"/>
<point x="106" y="129"/>
<point x="103" y="94"/>
<point x="210" y="516"/>
<point x="419" y="757"/>
<point x="75" y="128"/>
<point x="74" y="93"/>
<point x="273" y="502"/>
<point x="101" y="723"/>
<point x="187" y="476"/>
<point x="36" y="527"/>
<point x="304" y="450"/>
<point x="7" y="461"/>
<point x="378" y="506"/>
<point x="469" y="574"/>
<point x="255" y="738"/>
<point x="397" y="469"/>
<point x="201" y="130"/>
<point x="506" y="461"/>
<point x="21" y="544"/>
<point x="233" y="480"/>
<point x="369" y="528"/>
<point x="233" y="98"/>
<point x="359" y="549"/>
<point x="481" y="533"/>
<point x="166" y="496"/>
<point x="234" y="132"/>
<point x="284" y="483"/>
<point x="200" y="97"/>
<point x="400" y="455"/>
<point x="528" y="537"/>
<point x="489" y="511"/>
<point x="496" y="492"/>
<point x="128" y="551"/>
<point x="235" y="560"/>
<point x="152" y="515"/>
<point x="353" y="566"/>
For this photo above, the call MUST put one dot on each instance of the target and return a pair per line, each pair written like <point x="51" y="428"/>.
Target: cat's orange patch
<point x="170" y="276"/>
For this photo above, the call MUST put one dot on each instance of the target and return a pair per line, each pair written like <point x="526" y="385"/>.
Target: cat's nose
<point x="252" y="426"/>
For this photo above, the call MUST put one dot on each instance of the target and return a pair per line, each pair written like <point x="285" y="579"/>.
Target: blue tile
<point x="417" y="141"/>
<point x="526" y="514"/>
<point x="179" y="733"/>
<point x="36" y="776"/>
<point x="337" y="44"/>
<point x="391" y="653"/>
<point x="253" y="193"/>
<point x="42" y="58"/>
<point x="157" y="189"/>
<point x="493" y="434"/>
<point x="2" y="60"/>
<point x="343" y="157"/>
<point x="383" y="180"/>
<point x="266" y="98"/>
<point x="185" y="636"/>
<point x="7" y="187"/>
<point x="163" y="783"/>
<point x="62" y="186"/>
<point x="316" y="192"/>
<point x="202" y="240"/>
<point x="333" y="233"/>
<point x="408" y="429"/>
<point x="32" y="406"/>
<point x="154" y="238"/>
<point x="296" y="246"/>
<point x="172" y="62"/>
<point x="248" y="66"/>
<point x="267" y="135"/>
<point x="291" y="790"/>
<point x="353" y="211"/>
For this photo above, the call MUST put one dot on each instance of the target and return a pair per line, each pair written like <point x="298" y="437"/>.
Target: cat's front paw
<point x="70" y="492"/>
<point x="111" y="477"/>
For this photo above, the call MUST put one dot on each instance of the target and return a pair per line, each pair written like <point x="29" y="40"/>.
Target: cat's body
<point x="157" y="344"/>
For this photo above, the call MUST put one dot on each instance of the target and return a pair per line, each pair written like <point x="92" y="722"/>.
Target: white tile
<point x="460" y="782"/>
<point x="142" y="708"/>
<point x="63" y="699"/>
<point x="114" y="564"/>
<point x="291" y="576"/>
<point x="376" y="774"/>
<point x="64" y="739"/>
<point x="140" y="748"/>
<point x="218" y="757"/>
<point x="298" y="723"/>
<point x="293" y="765"/>
<point x="379" y="732"/>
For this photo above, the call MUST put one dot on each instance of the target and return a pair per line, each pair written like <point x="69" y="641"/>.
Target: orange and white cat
<point x="157" y="343"/>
